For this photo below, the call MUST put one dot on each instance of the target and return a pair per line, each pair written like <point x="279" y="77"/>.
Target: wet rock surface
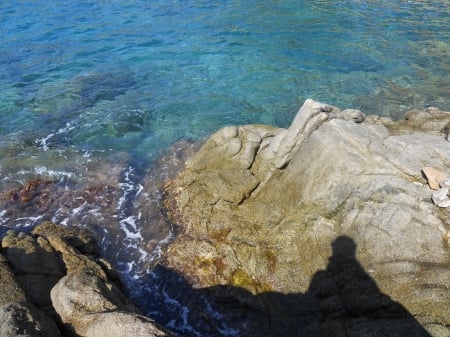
<point x="326" y="228"/>
<point x="55" y="283"/>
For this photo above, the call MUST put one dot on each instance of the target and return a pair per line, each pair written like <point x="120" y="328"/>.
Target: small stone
<point x="445" y="183"/>
<point x="441" y="198"/>
<point x="354" y="115"/>
<point x="434" y="176"/>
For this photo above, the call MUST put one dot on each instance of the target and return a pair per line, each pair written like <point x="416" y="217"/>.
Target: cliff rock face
<point x="300" y="210"/>
<point x="54" y="283"/>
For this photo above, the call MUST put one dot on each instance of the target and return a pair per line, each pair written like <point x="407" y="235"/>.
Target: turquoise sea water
<point x="138" y="75"/>
<point x="92" y="93"/>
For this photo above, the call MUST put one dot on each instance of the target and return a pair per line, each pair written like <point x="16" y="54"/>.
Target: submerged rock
<point x="259" y="208"/>
<point x="85" y="90"/>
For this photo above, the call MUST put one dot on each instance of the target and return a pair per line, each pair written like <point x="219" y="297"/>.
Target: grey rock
<point x="430" y="120"/>
<point x="287" y="142"/>
<point x="124" y="324"/>
<point x="354" y="115"/>
<point x="23" y="319"/>
<point x="92" y="306"/>
<point x="10" y="291"/>
<point x="18" y="317"/>
<point x="268" y="226"/>
<point x="445" y="183"/>
<point x="60" y="275"/>
<point x="35" y="264"/>
<point x="441" y="197"/>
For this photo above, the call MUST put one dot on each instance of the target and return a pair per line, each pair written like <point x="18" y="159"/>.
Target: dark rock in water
<point x="94" y="87"/>
<point x="70" y="196"/>
<point x="332" y="212"/>
<point x="399" y="98"/>
<point x="66" y="105"/>
<point x="36" y="194"/>
<point x="82" y="91"/>
<point x="57" y="272"/>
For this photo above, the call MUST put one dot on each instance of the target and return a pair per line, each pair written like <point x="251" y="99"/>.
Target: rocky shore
<point x="336" y="226"/>
<point x="53" y="283"/>
<point x="327" y="228"/>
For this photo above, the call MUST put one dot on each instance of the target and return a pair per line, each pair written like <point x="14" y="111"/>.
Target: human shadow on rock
<point x="350" y="303"/>
<point x="342" y="300"/>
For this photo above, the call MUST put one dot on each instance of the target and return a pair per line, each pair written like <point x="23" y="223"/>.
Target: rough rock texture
<point x="56" y="271"/>
<point x="259" y="209"/>
<point x="92" y="306"/>
<point x="17" y="316"/>
<point x="25" y="320"/>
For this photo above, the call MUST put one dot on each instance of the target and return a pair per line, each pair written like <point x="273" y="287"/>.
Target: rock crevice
<point x="55" y="284"/>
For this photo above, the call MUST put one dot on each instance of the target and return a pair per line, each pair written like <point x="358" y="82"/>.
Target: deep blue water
<point x="95" y="91"/>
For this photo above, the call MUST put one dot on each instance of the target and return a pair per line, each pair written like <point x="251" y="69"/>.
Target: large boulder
<point x="57" y="272"/>
<point x="92" y="306"/>
<point x="260" y="208"/>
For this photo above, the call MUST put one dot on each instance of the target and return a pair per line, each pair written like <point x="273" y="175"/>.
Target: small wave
<point x="44" y="141"/>
<point x="129" y="227"/>
<point x="27" y="222"/>
<point x="2" y="218"/>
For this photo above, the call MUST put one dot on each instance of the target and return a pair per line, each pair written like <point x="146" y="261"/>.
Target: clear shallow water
<point x="92" y="93"/>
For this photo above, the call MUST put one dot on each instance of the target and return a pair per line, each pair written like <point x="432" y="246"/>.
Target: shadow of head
<point x="343" y="248"/>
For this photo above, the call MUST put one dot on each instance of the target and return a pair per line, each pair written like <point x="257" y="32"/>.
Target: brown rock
<point x="10" y="290"/>
<point x="61" y="274"/>
<point x="17" y="316"/>
<point x="35" y="264"/>
<point x="434" y="176"/>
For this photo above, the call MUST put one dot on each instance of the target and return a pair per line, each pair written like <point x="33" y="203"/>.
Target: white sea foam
<point x="225" y="330"/>
<point x="128" y="188"/>
<point x="184" y="315"/>
<point x="42" y="170"/>
<point x="139" y="189"/>
<point x="27" y="221"/>
<point x="67" y="128"/>
<point x="87" y="154"/>
<point x="2" y="217"/>
<point x="157" y="252"/>
<point x="129" y="227"/>
<point x="79" y="209"/>
<point x="43" y="141"/>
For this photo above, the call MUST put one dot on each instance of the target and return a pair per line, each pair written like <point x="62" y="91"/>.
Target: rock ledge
<point x="260" y="207"/>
